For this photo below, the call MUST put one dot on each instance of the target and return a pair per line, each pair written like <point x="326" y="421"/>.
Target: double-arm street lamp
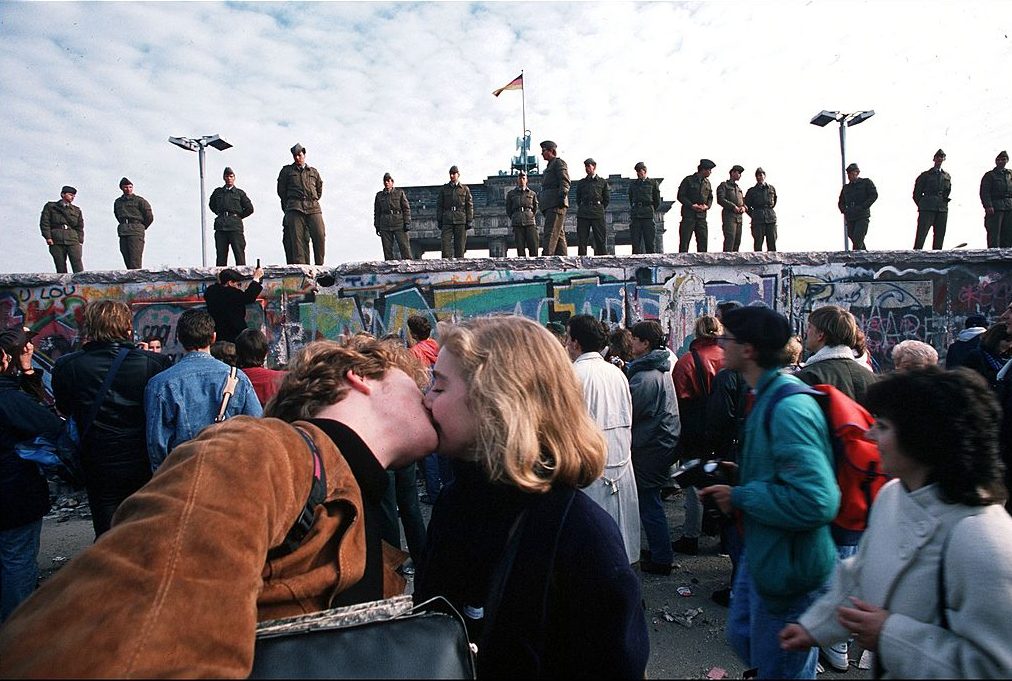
<point x="846" y="120"/>
<point x="198" y="144"/>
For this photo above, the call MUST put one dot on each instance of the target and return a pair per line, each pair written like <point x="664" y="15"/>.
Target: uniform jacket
<point x="300" y="189"/>
<point x="391" y="211"/>
<point x="729" y="196"/>
<point x="522" y="207"/>
<point x="656" y="426"/>
<point x="694" y="189"/>
<point x="996" y="189"/>
<point x="133" y="214"/>
<point x="837" y="367"/>
<point x="644" y="198"/>
<point x="570" y="605"/>
<point x="176" y="587"/>
<point x="606" y="392"/>
<point x="897" y="568"/>
<point x="592" y="197"/>
<point x="454" y="205"/>
<point x="63" y="223"/>
<point x="787" y="494"/>
<point x="856" y="198"/>
<point x="227" y="305"/>
<point x="760" y="201"/>
<point x="932" y="189"/>
<point x="231" y="206"/>
<point x="554" y="186"/>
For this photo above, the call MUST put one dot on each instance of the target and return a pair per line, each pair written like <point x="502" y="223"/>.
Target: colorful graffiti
<point x="890" y="303"/>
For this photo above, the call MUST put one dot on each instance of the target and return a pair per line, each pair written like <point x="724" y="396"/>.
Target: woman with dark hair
<point x="930" y="589"/>
<point x="991" y="353"/>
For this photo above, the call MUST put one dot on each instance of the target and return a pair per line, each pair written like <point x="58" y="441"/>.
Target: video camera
<point x="699" y="474"/>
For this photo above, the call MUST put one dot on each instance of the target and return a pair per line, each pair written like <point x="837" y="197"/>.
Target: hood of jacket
<point x="971" y="333"/>
<point x="658" y="359"/>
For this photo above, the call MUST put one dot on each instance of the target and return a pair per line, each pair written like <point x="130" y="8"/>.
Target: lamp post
<point x="198" y="145"/>
<point x="846" y="120"/>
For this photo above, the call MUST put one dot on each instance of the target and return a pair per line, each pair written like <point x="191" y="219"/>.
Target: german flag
<point x="515" y="84"/>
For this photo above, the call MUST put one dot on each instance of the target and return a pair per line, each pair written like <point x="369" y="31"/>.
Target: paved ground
<point x="676" y="651"/>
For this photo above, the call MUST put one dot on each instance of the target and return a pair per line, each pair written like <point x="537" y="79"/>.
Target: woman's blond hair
<point x="532" y="423"/>
<point x="708" y="326"/>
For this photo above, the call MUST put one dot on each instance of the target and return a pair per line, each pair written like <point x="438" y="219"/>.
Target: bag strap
<point x="227" y="392"/>
<point x="117" y="361"/>
<point x="317" y="495"/>
<point x="703" y="387"/>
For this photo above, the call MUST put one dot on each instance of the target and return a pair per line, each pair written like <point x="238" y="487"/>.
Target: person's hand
<point x="720" y="495"/>
<point x="142" y="345"/>
<point x="796" y="637"/>
<point x="864" y="620"/>
<point x="989" y="211"/>
<point x="258" y="274"/>
<point x="50" y="242"/>
<point x="25" y="358"/>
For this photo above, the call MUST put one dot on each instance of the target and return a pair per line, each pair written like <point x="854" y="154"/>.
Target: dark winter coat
<point x="227" y="305"/>
<point x="656" y="426"/>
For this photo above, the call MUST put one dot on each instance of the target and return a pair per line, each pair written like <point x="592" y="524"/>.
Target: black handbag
<point x="386" y="639"/>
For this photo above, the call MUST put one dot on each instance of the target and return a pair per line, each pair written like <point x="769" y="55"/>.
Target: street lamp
<point x="846" y="120"/>
<point x="198" y="145"/>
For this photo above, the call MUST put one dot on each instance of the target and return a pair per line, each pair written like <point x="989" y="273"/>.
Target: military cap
<point x="760" y="170"/>
<point x="1002" y="154"/>
<point x="853" y="166"/>
<point x="590" y="162"/>
<point x="298" y="149"/>
<point x="940" y="153"/>
<point x="549" y="144"/>
<point x="738" y="168"/>
<point x="707" y="164"/>
<point x="387" y="176"/>
<point x="228" y="171"/>
<point x="640" y="166"/>
<point x="454" y="169"/>
<point x="67" y="189"/>
<point x="124" y="182"/>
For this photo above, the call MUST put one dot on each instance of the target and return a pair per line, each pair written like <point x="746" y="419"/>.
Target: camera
<point x="698" y="473"/>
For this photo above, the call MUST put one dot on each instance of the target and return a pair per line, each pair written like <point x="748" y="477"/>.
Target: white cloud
<point x="91" y="91"/>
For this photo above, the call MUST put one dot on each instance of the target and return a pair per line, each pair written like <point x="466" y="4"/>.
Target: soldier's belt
<point x="394" y="212"/>
<point x="591" y="203"/>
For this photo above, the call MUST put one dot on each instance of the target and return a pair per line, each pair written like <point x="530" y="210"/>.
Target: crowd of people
<point x="300" y="187"/>
<point x="547" y="479"/>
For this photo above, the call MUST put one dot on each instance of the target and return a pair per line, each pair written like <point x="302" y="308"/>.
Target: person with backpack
<point x="831" y="336"/>
<point x="786" y="494"/>
<point x="929" y="588"/>
<point x="693" y="376"/>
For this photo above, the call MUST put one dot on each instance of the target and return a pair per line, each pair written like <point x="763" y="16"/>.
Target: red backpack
<point x="856" y="461"/>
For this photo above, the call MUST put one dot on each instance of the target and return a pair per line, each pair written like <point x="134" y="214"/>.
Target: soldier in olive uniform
<point x="931" y="194"/>
<point x="391" y="217"/>
<point x="592" y="197"/>
<point x="231" y="206"/>
<point x="696" y="197"/>
<point x="300" y="189"/>
<point x="732" y="202"/>
<point x="133" y="213"/>
<point x="855" y="202"/>
<point x="554" y="200"/>
<point x="644" y="199"/>
<point x="522" y="207"/>
<point x="760" y="201"/>
<point x="62" y="225"/>
<point x="996" y="196"/>
<point x="454" y="215"/>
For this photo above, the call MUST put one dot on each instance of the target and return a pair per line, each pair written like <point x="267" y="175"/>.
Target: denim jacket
<point x="184" y="399"/>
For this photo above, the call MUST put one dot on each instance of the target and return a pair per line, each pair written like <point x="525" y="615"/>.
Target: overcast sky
<point x="90" y="92"/>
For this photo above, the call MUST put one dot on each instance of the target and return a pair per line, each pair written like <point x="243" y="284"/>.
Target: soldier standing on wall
<point x="644" y="199"/>
<point x="133" y="213"/>
<point x="62" y="225"/>
<point x="391" y="217"/>
<point x="522" y="207"/>
<point x="554" y="200"/>
<point x="731" y="199"/>
<point x="300" y="189"/>
<point x="454" y="215"/>
<point x="996" y="196"/>
<point x="760" y="201"/>
<point x="696" y="197"/>
<point x="592" y="197"/>
<point x="855" y="202"/>
<point x="931" y="194"/>
<point x="231" y="206"/>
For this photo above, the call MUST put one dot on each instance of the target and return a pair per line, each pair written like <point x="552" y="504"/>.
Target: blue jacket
<point x="184" y="399"/>
<point x="655" y="426"/>
<point x="787" y="493"/>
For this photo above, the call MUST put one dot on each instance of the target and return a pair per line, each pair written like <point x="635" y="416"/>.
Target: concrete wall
<point x="894" y="295"/>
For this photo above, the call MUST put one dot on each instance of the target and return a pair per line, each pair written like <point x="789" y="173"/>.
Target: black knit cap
<point x="760" y="326"/>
